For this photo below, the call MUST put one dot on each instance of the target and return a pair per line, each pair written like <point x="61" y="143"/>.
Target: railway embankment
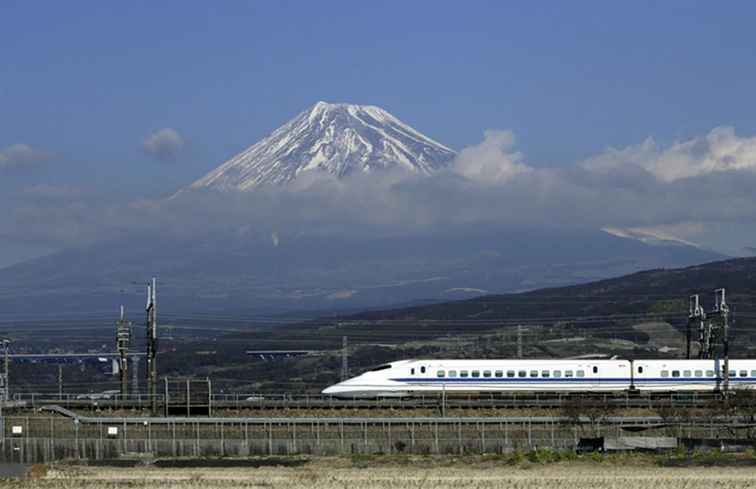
<point x="61" y="434"/>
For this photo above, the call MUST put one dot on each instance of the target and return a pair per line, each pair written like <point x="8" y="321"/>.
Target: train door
<point x="423" y="371"/>
<point x="638" y="375"/>
<point x="594" y="374"/>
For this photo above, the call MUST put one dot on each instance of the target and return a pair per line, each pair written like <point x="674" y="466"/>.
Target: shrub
<point x="37" y="471"/>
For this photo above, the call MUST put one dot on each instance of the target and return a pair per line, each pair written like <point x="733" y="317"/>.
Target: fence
<point x="44" y="439"/>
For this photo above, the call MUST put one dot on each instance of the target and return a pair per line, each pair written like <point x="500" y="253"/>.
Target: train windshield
<point x="380" y="367"/>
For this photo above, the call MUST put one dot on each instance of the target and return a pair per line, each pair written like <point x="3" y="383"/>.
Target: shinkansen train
<point x="419" y="377"/>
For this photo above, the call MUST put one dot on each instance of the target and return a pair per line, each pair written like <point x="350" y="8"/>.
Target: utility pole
<point x="152" y="343"/>
<point x="5" y="375"/>
<point x="707" y="348"/>
<point x="5" y="387"/>
<point x="60" y="381"/>
<point x="134" y="375"/>
<point x="344" y="358"/>
<point x="720" y="306"/>
<point x="123" y="340"/>
<point x="519" y="341"/>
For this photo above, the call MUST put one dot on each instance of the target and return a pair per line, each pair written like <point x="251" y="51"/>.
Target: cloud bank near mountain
<point x="719" y="151"/>
<point x="699" y="190"/>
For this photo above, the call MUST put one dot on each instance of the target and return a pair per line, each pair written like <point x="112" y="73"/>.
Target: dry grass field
<point x="344" y="473"/>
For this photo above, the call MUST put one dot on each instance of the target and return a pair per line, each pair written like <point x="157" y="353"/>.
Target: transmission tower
<point x="123" y="341"/>
<point x="713" y="333"/>
<point x="721" y="307"/>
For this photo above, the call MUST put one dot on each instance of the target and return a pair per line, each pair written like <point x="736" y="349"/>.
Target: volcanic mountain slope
<point x="658" y="290"/>
<point x="234" y="271"/>
<point x="340" y="139"/>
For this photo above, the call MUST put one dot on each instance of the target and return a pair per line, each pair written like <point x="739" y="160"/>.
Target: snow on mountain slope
<point x="649" y="236"/>
<point x="340" y="139"/>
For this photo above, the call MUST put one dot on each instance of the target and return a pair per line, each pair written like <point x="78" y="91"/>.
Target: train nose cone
<point x="329" y="391"/>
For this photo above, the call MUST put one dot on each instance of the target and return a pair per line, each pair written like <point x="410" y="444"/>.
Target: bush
<point x="543" y="455"/>
<point x="597" y="456"/>
<point x="36" y="471"/>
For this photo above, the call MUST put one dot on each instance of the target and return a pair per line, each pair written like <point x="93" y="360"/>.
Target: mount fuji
<point x="340" y="139"/>
<point x="233" y="247"/>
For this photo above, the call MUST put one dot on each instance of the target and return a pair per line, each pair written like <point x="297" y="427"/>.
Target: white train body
<point x="419" y="377"/>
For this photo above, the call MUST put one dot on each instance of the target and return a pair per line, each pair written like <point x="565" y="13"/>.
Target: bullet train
<point x="422" y="377"/>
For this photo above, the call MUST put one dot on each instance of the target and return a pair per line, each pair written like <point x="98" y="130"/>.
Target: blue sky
<point x="86" y="82"/>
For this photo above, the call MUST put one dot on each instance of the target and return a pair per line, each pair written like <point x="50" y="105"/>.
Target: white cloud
<point x="164" y="144"/>
<point x="721" y="150"/>
<point x="20" y="155"/>
<point x="493" y="160"/>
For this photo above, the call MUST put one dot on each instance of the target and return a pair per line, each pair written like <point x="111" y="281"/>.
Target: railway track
<point x="282" y="402"/>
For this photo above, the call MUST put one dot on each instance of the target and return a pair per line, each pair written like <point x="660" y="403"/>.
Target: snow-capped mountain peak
<point x="340" y="139"/>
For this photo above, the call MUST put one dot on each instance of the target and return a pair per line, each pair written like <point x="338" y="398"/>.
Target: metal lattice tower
<point x="721" y="307"/>
<point x="123" y="342"/>
<point x="713" y="331"/>
<point x="152" y="343"/>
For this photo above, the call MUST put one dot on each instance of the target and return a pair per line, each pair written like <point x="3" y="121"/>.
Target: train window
<point x="463" y="373"/>
<point x="476" y="373"/>
<point x="544" y="373"/>
<point x="440" y="373"/>
<point x="534" y="373"/>
<point x="710" y="373"/>
<point x="733" y="373"/>
<point x="500" y="373"/>
<point x="422" y="370"/>
<point x="686" y="373"/>
<point x="743" y="373"/>
<point x="580" y="373"/>
<point x="665" y="373"/>
<point x="412" y="371"/>
<point x="568" y="373"/>
<point x="522" y="373"/>
<point x="510" y="373"/>
<point x="675" y="373"/>
<point x="640" y="370"/>
<point x="753" y="373"/>
<point x="452" y="373"/>
<point x="486" y="373"/>
<point x="699" y="373"/>
<point x="595" y="370"/>
<point x="557" y="373"/>
<point x="381" y="367"/>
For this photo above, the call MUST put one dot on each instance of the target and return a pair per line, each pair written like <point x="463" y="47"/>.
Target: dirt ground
<point x="379" y="474"/>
